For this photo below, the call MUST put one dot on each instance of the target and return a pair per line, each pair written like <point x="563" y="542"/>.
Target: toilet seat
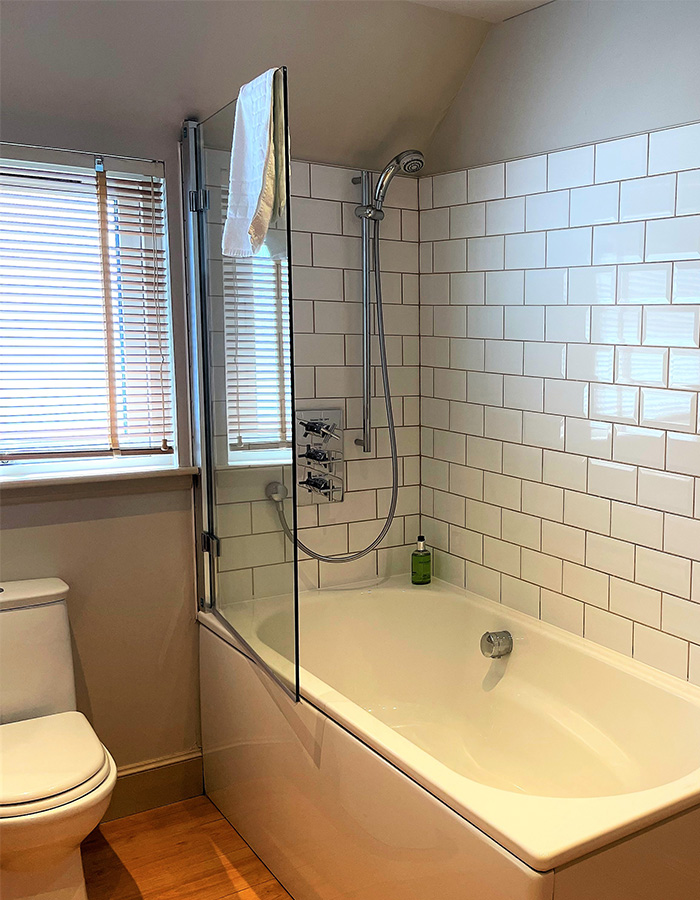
<point x="47" y="762"/>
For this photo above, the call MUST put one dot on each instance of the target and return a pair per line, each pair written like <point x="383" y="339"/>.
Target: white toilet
<point x="56" y="778"/>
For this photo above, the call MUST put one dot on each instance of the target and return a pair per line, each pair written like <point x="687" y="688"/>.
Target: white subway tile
<point x="316" y="215"/>
<point x="524" y="323"/>
<point x="523" y="462"/>
<point x="505" y="357"/>
<point x="519" y="528"/>
<point x="301" y="179"/>
<point x="614" y="403"/>
<point x="466" y="354"/>
<point x="570" y="247"/>
<point x="450" y="384"/>
<point x="673" y="238"/>
<point x="526" y="176"/>
<point x="449" y="256"/>
<point x="337" y="252"/>
<point x="505" y="216"/>
<point x="592" y="285"/>
<point x="466" y="482"/>
<point x="569" y="324"/>
<point x="684" y="369"/>
<point x="486" y="253"/>
<point x="662" y="651"/>
<point x="586" y="511"/>
<point x="616" y="324"/>
<point x="608" y="630"/>
<point x="683" y="453"/>
<point x="450" y="189"/>
<point x="317" y="284"/>
<point x="564" y="612"/>
<point x="484" y="582"/>
<point x="503" y="424"/>
<point x="545" y="287"/>
<point x="545" y="211"/>
<point x="541" y="569"/>
<point x="482" y="518"/>
<point x="613" y="480"/>
<point x="484" y="454"/>
<point x="638" y="525"/>
<point x="565" y="470"/>
<point x="648" y="198"/>
<point x="520" y="595"/>
<point x="435" y="224"/>
<point x="686" y="282"/>
<point x="587" y="585"/>
<point x="523" y="393"/>
<point x="618" y="243"/>
<point x="425" y="257"/>
<point x="564" y="541"/>
<point x="333" y="183"/>
<point x="543" y="500"/>
<point x="466" y="418"/>
<point x="669" y="409"/>
<point x="541" y="430"/>
<point x="468" y="220"/>
<point x="624" y="158"/>
<point x="591" y="362"/>
<point x="640" y="446"/>
<point x="466" y="288"/>
<point x="502" y="490"/>
<point x="505" y="288"/>
<point x="566" y="398"/>
<point x="674" y="148"/>
<point x="525" y="251"/>
<point x="485" y="322"/>
<point x="450" y="321"/>
<point x="634" y="601"/>
<point x="502" y="557"/>
<point x="570" y="168"/>
<point x="671" y="326"/>
<point x="425" y="192"/>
<point x="589" y="438"/>
<point x="641" y="365"/>
<point x="681" y="617"/>
<point x="663" y="490"/>
<point x="663" y="572"/>
<point x="595" y="205"/>
<point x="645" y="283"/>
<point x="688" y="193"/>
<point x="545" y="360"/>
<point x="682" y="536"/>
<point x="487" y="182"/>
<point x="485" y="388"/>
<point x="610" y="555"/>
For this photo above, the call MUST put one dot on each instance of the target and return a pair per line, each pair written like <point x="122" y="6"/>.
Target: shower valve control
<point x="319" y="451"/>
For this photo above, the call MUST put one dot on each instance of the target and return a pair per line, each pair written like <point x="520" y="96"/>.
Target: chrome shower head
<point x="410" y="162"/>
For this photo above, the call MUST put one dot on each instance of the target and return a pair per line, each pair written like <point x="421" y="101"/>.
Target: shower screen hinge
<point x="199" y="200"/>
<point x="211" y="543"/>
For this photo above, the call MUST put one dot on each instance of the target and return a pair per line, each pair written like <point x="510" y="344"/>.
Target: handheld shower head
<point x="410" y="162"/>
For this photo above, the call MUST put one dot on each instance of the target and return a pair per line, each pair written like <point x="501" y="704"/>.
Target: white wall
<point x="127" y="555"/>
<point x="573" y="72"/>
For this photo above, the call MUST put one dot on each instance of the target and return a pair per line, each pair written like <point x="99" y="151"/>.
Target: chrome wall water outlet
<point x="495" y="644"/>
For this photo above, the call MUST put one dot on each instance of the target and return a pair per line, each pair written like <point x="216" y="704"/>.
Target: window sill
<point x="54" y="480"/>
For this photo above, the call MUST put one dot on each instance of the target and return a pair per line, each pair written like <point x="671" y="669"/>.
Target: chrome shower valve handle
<point x="495" y="644"/>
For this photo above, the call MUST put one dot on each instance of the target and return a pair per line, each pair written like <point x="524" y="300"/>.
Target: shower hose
<point x="279" y="503"/>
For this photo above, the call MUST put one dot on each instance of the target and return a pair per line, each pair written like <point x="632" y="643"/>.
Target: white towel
<point x="251" y="190"/>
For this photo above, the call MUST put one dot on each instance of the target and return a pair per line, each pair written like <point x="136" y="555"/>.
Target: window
<point x="85" y="347"/>
<point x="257" y="353"/>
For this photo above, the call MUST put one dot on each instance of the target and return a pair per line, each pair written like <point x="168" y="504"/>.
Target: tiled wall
<point x="326" y="281"/>
<point x="560" y="336"/>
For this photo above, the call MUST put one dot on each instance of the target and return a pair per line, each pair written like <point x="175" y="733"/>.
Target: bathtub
<point x="563" y="770"/>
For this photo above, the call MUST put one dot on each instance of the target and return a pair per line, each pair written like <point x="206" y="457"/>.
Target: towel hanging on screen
<point x="255" y="176"/>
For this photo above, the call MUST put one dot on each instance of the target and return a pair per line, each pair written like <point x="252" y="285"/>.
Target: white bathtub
<point x="572" y="770"/>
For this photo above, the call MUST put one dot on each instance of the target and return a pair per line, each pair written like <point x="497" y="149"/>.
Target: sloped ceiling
<point x="367" y="79"/>
<point x="488" y="10"/>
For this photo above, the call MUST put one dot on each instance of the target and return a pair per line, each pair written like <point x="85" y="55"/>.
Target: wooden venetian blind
<point x="85" y="355"/>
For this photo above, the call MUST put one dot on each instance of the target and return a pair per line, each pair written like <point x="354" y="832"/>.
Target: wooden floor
<point x="179" y="852"/>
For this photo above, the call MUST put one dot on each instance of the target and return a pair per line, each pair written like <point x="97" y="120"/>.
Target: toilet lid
<point x="49" y="755"/>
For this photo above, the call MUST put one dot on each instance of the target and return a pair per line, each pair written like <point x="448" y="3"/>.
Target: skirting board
<point x="156" y="783"/>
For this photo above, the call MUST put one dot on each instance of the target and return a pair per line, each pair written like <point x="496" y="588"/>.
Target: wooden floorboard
<point x="179" y="852"/>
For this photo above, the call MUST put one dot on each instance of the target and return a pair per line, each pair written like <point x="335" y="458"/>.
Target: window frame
<point x="115" y="466"/>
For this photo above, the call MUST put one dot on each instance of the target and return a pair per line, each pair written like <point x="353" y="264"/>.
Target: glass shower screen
<point x="241" y="327"/>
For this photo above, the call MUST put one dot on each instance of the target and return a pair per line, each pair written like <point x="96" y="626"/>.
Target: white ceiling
<point x="488" y="10"/>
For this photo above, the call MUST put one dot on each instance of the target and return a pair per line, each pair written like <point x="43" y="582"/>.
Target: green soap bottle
<point x="420" y="563"/>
